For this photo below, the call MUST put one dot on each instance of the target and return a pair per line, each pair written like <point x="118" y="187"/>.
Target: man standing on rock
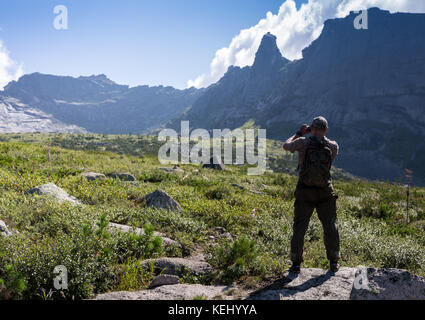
<point x="314" y="190"/>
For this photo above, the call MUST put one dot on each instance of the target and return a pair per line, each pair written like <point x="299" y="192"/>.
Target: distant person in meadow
<point x="314" y="190"/>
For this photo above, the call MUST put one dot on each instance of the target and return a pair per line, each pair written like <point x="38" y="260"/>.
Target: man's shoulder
<point x="333" y="144"/>
<point x="298" y="144"/>
<point x="302" y="141"/>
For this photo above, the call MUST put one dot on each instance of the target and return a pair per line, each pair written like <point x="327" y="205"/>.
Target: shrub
<point x="235" y="260"/>
<point x="155" y="176"/>
<point x="12" y="284"/>
<point x="218" y="193"/>
<point x="132" y="276"/>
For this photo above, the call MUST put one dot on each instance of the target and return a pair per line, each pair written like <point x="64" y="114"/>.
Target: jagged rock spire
<point x="268" y="55"/>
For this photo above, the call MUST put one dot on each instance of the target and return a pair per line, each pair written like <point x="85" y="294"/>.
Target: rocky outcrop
<point x="391" y="284"/>
<point x="346" y="284"/>
<point x="160" y="200"/>
<point x="92" y="176"/>
<point x="4" y="231"/>
<point x="177" y="266"/>
<point x="164" y="280"/>
<point x="310" y="284"/>
<point x="140" y="231"/>
<point x="53" y="191"/>
<point x="172" y="292"/>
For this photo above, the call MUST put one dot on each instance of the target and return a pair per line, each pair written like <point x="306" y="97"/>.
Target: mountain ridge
<point x="98" y="104"/>
<point x="369" y="84"/>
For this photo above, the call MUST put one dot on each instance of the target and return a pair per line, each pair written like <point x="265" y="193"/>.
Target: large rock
<point x="214" y="163"/>
<point x="172" y="292"/>
<point x="310" y="284"/>
<point x="92" y="176"/>
<point x="4" y="231"/>
<point x="141" y="231"/>
<point x="318" y="284"/>
<point x="391" y="284"/>
<point x="122" y="176"/>
<point x="53" y="191"/>
<point x="177" y="266"/>
<point x="161" y="200"/>
<point x="164" y="280"/>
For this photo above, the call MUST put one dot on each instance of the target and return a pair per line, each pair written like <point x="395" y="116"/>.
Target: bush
<point x="132" y="276"/>
<point x="131" y="245"/>
<point x="12" y="284"/>
<point x="235" y="260"/>
<point x="156" y="176"/>
<point x="36" y="257"/>
<point x="218" y="193"/>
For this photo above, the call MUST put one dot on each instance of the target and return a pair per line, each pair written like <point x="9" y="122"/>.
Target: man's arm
<point x="299" y="134"/>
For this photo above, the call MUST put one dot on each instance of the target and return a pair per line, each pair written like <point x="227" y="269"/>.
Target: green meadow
<point x="256" y="210"/>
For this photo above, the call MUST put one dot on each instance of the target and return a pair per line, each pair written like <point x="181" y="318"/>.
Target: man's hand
<point x="303" y="130"/>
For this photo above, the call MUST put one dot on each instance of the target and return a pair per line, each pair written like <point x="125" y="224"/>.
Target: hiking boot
<point x="334" y="266"/>
<point x="295" y="268"/>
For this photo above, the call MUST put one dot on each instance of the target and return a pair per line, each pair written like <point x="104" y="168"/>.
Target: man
<point x="314" y="190"/>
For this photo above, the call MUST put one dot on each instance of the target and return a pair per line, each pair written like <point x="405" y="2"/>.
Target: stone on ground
<point x="214" y="163"/>
<point x="164" y="280"/>
<point x="4" y="231"/>
<point x="53" y="191"/>
<point x="177" y="266"/>
<point x="92" y="176"/>
<point x="171" y="292"/>
<point x="141" y="231"/>
<point x="161" y="200"/>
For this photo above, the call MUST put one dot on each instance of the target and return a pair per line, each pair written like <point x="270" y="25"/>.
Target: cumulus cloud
<point x="9" y="69"/>
<point x="295" y="29"/>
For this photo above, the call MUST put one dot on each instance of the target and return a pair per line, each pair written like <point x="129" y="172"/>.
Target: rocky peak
<point x="268" y="55"/>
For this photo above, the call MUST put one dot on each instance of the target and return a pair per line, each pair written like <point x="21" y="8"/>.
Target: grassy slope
<point x="370" y="216"/>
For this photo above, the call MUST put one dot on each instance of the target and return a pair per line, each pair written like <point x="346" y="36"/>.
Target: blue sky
<point x="133" y="42"/>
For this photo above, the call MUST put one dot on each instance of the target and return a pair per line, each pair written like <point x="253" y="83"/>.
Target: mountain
<point x="369" y="84"/>
<point x="96" y="103"/>
<point x="16" y="116"/>
<point x="238" y="95"/>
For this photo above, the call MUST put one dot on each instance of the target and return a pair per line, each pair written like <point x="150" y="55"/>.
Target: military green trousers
<point x="324" y="201"/>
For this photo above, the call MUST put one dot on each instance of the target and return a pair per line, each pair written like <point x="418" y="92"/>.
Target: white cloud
<point x="295" y="30"/>
<point x="9" y="69"/>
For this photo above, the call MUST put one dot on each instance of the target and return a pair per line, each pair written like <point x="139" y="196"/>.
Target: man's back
<point x="301" y="145"/>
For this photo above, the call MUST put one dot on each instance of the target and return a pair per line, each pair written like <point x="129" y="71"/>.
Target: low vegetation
<point x="257" y="211"/>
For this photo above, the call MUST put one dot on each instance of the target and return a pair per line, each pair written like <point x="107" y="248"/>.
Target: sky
<point x="169" y="42"/>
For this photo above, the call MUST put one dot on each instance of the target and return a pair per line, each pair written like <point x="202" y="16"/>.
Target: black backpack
<point x="317" y="164"/>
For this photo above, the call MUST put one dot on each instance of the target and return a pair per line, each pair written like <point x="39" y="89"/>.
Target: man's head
<point x="319" y="127"/>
